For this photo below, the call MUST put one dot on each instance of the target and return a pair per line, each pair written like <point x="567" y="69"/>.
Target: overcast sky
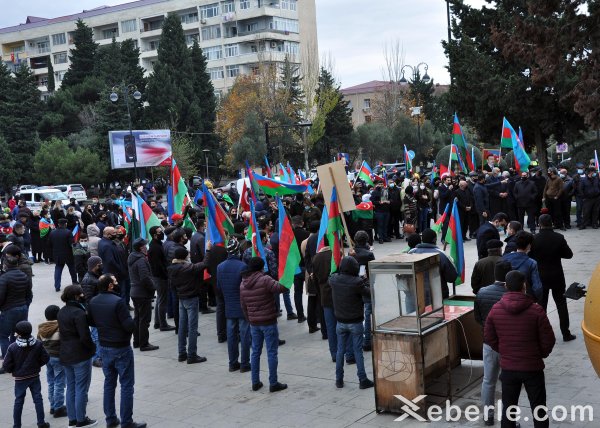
<point x="352" y="32"/>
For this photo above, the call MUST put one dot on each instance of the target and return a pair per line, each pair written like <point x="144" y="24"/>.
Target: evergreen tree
<point x="6" y="82"/>
<point x="109" y="64"/>
<point x="51" y="82"/>
<point x="82" y="57"/>
<point x="9" y="173"/>
<point x="292" y="90"/>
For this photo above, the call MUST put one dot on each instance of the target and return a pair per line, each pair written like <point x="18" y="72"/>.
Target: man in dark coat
<point x="548" y="248"/>
<point x="490" y="230"/>
<point x="465" y="204"/>
<point x="448" y="272"/>
<point x="112" y="261"/>
<point x="519" y="330"/>
<point x="590" y="191"/>
<point x="483" y="271"/>
<point x="482" y="200"/>
<point x="486" y="298"/>
<point x="61" y="242"/>
<point x="158" y="265"/>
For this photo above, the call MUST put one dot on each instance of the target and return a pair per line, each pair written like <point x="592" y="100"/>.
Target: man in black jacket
<point x="112" y="260"/>
<point x="158" y="265"/>
<point x="490" y="230"/>
<point x="590" y="191"/>
<point x="363" y="255"/>
<point x="142" y="291"/>
<point x="61" y="242"/>
<point x="486" y="298"/>
<point x="109" y="313"/>
<point x="465" y="204"/>
<point x="347" y="290"/>
<point x="525" y="192"/>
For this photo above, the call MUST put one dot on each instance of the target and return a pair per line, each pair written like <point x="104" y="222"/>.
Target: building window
<point x="255" y="70"/>
<point x="211" y="32"/>
<point x="253" y="26"/>
<point x="367" y="103"/>
<point x="209" y="11"/>
<point x="228" y="6"/>
<point x="189" y="18"/>
<point x="71" y="35"/>
<point x="59" y="75"/>
<point x="233" y="70"/>
<point x="43" y="47"/>
<point x="43" y="80"/>
<point x="154" y="44"/>
<point x="284" y="24"/>
<point x="244" y="4"/>
<point x="292" y="48"/>
<point x="129" y="26"/>
<point x="189" y="38"/>
<point x="110" y="33"/>
<point x="368" y="119"/>
<point x="218" y="96"/>
<point x="216" y="73"/>
<point x="212" y="53"/>
<point x="288" y="4"/>
<point x="231" y="50"/>
<point x="60" y="58"/>
<point x="59" y="39"/>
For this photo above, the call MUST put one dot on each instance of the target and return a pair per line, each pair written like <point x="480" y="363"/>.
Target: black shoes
<point x="114" y="424"/>
<point x="44" y="425"/>
<point x="135" y="425"/>
<point x="366" y="348"/>
<point x="339" y="383"/>
<point x="182" y="358"/>
<point x="257" y="386"/>
<point x="312" y="330"/>
<point x="350" y="361"/>
<point x="292" y="316"/>
<point x="194" y="359"/>
<point x="207" y="311"/>
<point x="569" y="337"/>
<point x="222" y="339"/>
<point x="86" y="423"/>
<point x="366" y="383"/>
<point x="149" y="347"/>
<point x="235" y="367"/>
<point x="381" y="241"/>
<point x="167" y="328"/>
<point x="244" y="369"/>
<point x="61" y="412"/>
<point x="301" y="319"/>
<point x="281" y="342"/>
<point x="277" y="387"/>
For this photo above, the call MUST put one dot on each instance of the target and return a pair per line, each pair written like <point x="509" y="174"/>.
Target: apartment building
<point x="235" y="35"/>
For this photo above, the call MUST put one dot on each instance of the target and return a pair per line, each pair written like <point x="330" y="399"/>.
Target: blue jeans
<point x="491" y="370"/>
<point x="330" y="323"/>
<point x="368" y="312"/>
<point x="383" y="218"/>
<point x="238" y="331"/>
<point x="287" y="301"/>
<point x="58" y="269"/>
<point x="350" y="333"/>
<point x="94" y="334"/>
<point x="424" y="218"/>
<point x="55" y="375"/>
<point x="79" y="376"/>
<point x="125" y="285"/>
<point x="188" y="326"/>
<point x="21" y="387"/>
<point x="270" y="335"/>
<point x="8" y="321"/>
<point x="117" y="363"/>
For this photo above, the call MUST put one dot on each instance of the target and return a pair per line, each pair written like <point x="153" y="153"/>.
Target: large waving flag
<point x="459" y="140"/>
<point x="363" y="211"/>
<point x="455" y="156"/>
<point x="289" y="252"/>
<point x="143" y="219"/>
<point x="407" y="161"/>
<point x="277" y="188"/>
<point x="253" y="186"/>
<point x="334" y="231"/>
<point x="283" y="174"/>
<point x="522" y="160"/>
<point x="180" y="190"/>
<point x="455" y="241"/>
<point x="365" y="173"/>
<point x="46" y="225"/>
<point x="437" y="227"/>
<point x="254" y="236"/>
<point x="269" y="172"/>
<point x="76" y="232"/>
<point x="218" y="224"/>
<point x="322" y="228"/>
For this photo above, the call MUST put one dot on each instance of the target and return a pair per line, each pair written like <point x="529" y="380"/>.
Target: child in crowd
<point x="24" y="359"/>
<point x="49" y="335"/>
<point x="81" y="254"/>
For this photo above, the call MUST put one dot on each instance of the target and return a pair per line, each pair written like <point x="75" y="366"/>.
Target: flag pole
<point x="450" y="160"/>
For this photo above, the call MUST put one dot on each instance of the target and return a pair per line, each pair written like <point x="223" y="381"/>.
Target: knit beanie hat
<point x="93" y="262"/>
<point x="23" y="329"/>
<point x="51" y="312"/>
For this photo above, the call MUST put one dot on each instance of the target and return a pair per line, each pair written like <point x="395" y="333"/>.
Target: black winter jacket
<point x="140" y="276"/>
<point x="15" y="289"/>
<point x="486" y="298"/>
<point x="25" y="358"/>
<point x="110" y="315"/>
<point x="186" y="278"/>
<point x="157" y="259"/>
<point x="89" y="284"/>
<point x="76" y="343"/>
<point x="348" y="290"/>
<point x="112" y="260"/>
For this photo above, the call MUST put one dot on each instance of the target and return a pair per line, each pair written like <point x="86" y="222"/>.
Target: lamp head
<point x="114" y="97"/>
<point x="137" y="95"/>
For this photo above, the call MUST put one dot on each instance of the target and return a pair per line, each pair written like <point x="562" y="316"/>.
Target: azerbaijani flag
<point x="407" y="161"/>
<point x="322" y="228"/>
<point x="253" y="186"/>
<point x="437" y="227"/>
<point x="365" y="174"/>
<point x="254" y="236"/>
<point x="289" y="252"/>
<point x="76" y="232"/>
<point x="198" y="196"/>
<point x="364" y="211"/>
<point x="180" y="190"/>
<point x="277" y="188"/>
<point x="454" y="156"/>
<point x="170" y="205"/>
<point x="218" y="223"/>
<point x="473" y="158"/>
<point x="334" y="231"/>
<point x="459" y="140"/>
<point x="144" y="216"/>
<point x="269" y="172"/>
<point x="455" y="241"/>
<point x="283" y="174"/>
<point x="385" y="179"/>
<point x="522" y="160"/>
<point x="46" y="225"/>
<point x="596" y="159"/>
<point x="434" y="173"/>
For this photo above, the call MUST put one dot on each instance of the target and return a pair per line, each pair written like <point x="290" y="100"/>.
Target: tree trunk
<point x="540" y="148"/>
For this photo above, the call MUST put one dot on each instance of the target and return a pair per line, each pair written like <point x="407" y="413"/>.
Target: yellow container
<point x="591" y="320"/>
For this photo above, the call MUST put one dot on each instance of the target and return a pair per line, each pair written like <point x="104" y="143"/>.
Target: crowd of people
<point x="178" y="274"/>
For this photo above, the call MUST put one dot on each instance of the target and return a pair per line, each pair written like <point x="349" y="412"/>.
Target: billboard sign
<point x="146" y="148"/>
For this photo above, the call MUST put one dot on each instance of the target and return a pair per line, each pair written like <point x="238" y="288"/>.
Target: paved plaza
<point x="171" y="394"/>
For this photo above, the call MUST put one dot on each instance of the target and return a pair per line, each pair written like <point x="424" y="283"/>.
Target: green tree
<point x="51" y="82"/>
<point x="9" y="173"/>
<point x="82" y="57"/>
<point x="251" y="146"/>
<point x="205" y="92"/>
<point x="375" y="141"/>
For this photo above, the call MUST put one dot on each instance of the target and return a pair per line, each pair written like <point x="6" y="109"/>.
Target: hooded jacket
<point x="256" y="297"/>
<point x="348" y="290"/>
<point x="49" y="335"/>
<point x="321" y="265"/>
<point x="140" y="276"/>
<point x="186" y="277"/>
<point x="528" y="267"/>
<point x="93" y="238"/>
<point x="519" y="330"/>
<point x="25" y="358"/>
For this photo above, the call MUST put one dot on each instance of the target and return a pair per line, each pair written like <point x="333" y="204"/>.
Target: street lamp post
<point x="416" y="111"/>
<point x="129" y="140"/>
<point x="206" y="152"/>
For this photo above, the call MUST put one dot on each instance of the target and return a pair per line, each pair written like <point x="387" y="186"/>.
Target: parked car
<point x="76" y="191"/>
<point x="17" y="190"/>
<point x="35" y="197"/>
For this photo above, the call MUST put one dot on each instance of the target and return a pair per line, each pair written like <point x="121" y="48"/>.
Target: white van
<point x="35" y="197"/>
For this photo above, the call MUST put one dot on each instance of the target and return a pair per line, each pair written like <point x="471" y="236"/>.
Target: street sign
<point x="562" y="148"/>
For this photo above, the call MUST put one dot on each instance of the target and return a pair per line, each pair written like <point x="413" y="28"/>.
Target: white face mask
<point x="83" y="244"/>
<point x="422" y="186"/>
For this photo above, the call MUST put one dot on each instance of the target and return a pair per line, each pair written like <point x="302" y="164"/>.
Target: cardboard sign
<point x="334" y="174"/>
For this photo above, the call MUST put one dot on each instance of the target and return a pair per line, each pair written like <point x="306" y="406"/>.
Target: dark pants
<point x="58" y="269"/>
<point x="21" y="387"/>
<point x="125" y="285"/>
<point x="473" y="222"/>
<point x="394" y="223"/>
<point x="590" y="211"/>
<point x="536" y="392"/>
<point x="8" y="322"/>
<point x="383" y="219"/>
<point x="558" y="294"/>
<point x="298" y="289"/>
<point x="117" y="364"/>
<point x="314" y="312"/>
<point x="579" y="210"/>
<point x="221" y="320"/>
<point x="565" y="208"/>
<point x="530" y="211"/>
<point x="555" y="211"/>
<point x="160" y="307"/>
<point x="464" y="222"/>
<point x="142" y="315"/>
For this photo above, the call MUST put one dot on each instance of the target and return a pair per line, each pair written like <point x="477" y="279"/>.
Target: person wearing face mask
<point x="578" y="195"/>
<point x="590" y="190"/>
<point x="423" y="207"/>
<point x="81" y="254"/>
<point x="61" y="242"/>
<point x="395" y="198"/>
<point x="490" y="230"/>
<point x="553" y="192"/>
<point x="524" y="193"/>
<point x="567" y="197"/>
<point x="110" y="254"/>
<point x="101" y="221"/>
<point x="158" y="266"/>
